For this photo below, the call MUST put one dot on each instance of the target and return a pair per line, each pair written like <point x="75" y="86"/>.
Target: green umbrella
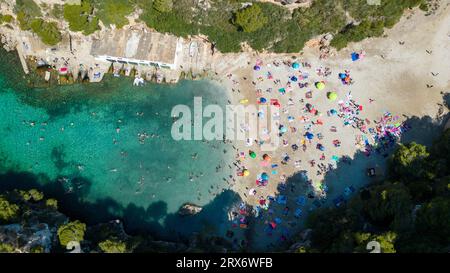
<point x="320" y="85"/>
<point x="252" y="154"/>
<point x="332" y="96"/>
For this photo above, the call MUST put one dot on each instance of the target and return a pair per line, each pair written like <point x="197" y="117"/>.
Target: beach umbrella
<point x="333" y="112"/>
<point x="296" y="65"/>
<point x="320" y="85"/>
<point x="273" y="225"/>
<point x="266" y="157"/>
<point x="294" y="78"/>
<point x="257" y="68"/>
<point x="264" y="176"/>
<point x="283" y="129"/>
<point x="332" y="96"/>
<point x="355" y="56"/>
<point x="275" y="102"/>
<point x="262" y="100"/>
<point x="342" y="76"/>
<point x="309" y="135"/>
<point x="246" y="172"/>
<point x="252" y="154"/>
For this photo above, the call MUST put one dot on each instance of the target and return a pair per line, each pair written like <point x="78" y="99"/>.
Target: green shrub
<point x="6" y="18"/>
<point x="81" y="18"/>
<point x="31" y="195"/>
<point x="113" y="246"/>
<point x="52" y="203"/>
<point x="163" y="5"/>
<point x="321" y="17"/>
<point x="57" y="11"/>
<point x="47" y="31"/>
<point x="386" y="241"/>
<point x="6" y="248"/>
<point x="26" y="10"/>
<point x="114" y="12"/>
<point x="71" y="232"/>
<point x="250" y="18"/>
<point x="37" y="249"/>
<point x="356" y="33"/>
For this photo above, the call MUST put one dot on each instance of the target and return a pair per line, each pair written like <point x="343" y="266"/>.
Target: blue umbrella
<point x="296" y="65"/>
<point x="309" y="135"/>
<point x="283" y="129"/>
<point x="262" y="100"/>
<point x="333" y="112"/>
<point x="257" y="67"/>
<point x="264" y="176"/>
<point x="294" y="78"/>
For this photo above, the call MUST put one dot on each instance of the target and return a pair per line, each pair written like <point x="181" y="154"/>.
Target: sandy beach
<point x="403" y="74"/>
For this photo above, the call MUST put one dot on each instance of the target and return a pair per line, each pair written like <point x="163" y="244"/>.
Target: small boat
<point x="138" y="81"/>
<point x="159" y="78"/>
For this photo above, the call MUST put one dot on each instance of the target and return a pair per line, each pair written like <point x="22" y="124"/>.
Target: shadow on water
<point x="347" y="178"/>
<point x="153" y="220"/>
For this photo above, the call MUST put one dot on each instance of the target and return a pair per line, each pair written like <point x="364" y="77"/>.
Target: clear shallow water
<point x="66" y="140"/>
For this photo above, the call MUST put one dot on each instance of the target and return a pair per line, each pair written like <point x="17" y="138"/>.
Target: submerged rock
<point x="189" y="209"/>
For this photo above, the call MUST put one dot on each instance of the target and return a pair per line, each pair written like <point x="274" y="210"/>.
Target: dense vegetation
<point x="231" y="23"/>
<point x="250" y="19"/>
<point x="274" y="28"/>
<point x="114" y="12"/>
<point x="47" y="31"/>
<point x="113" y="246"/>
<point x="71" y="232"/>
<point x="29" y="17"/>
<point x="26" y="11"/>
<point x="6" y="18"/>
<point x="407" y="212"/>
<point x="81" y="18"/>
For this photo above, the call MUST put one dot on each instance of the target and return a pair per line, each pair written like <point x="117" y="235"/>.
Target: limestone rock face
<point x="189" y="209"/>
<point x="25" y="238"/>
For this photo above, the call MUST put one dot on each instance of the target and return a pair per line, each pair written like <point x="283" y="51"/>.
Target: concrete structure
<point x="138" y="47"/>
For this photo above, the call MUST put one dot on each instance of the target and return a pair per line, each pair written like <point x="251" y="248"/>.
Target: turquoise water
<point x="82" y="143"/>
